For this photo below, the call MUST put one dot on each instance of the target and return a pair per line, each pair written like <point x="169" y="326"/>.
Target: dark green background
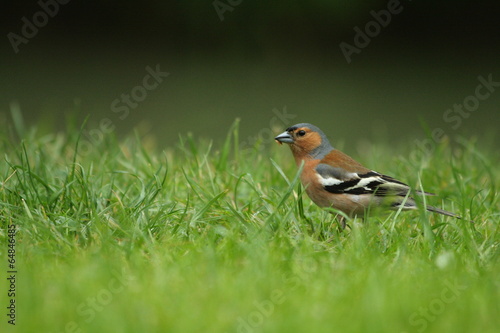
<point x="264" y="55"/>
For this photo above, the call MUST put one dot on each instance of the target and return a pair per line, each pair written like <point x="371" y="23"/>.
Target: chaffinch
<point x="333" y="179"/>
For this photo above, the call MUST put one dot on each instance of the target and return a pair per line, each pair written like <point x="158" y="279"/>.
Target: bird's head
<point x="305" y="140"/>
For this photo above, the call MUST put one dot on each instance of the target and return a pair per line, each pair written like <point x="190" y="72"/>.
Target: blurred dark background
<point x="261" y="56"/>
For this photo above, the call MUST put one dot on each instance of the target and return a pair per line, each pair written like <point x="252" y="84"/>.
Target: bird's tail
<point x="438" y="210"/>
<point x="410" y="204"/>
<point x="441" y="211"/>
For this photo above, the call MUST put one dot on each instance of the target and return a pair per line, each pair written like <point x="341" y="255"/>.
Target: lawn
<point x="206" y="237"/>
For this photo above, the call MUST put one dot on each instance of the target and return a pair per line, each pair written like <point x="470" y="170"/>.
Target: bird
<point x="332" y="179"/>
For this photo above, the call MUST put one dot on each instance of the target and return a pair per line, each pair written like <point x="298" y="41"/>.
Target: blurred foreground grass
<point x="207" y="238"/>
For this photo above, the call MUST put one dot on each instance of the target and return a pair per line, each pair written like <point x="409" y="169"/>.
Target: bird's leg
<point x="310" y="224"/>
<point x="341" y="225"/>
<point x="301" y="210"/>
<point x="341" y="222"/>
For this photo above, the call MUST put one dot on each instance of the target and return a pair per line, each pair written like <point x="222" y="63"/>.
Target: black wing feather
<point x="356" y="183"/>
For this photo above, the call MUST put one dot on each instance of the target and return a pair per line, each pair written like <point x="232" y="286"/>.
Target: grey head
<point x="295" y="131"/>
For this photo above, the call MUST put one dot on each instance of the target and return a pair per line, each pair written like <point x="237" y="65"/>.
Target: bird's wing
<point x="337" y="180"/>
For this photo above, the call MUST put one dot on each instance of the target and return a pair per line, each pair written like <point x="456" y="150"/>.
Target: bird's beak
<point x="284" y="137"/>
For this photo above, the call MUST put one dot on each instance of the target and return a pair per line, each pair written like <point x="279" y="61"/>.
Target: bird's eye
<point x="301" y="133"/>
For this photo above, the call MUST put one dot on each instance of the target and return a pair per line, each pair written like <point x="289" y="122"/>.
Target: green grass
<point x="203" y="237"/>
